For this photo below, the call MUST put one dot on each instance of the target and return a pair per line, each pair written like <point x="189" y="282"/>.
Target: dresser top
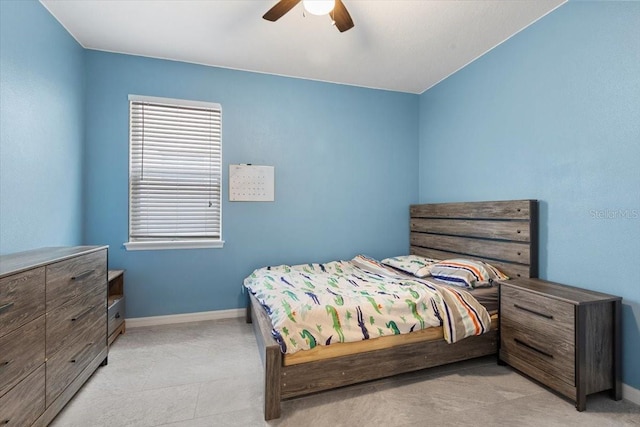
<point x="20" y="261"/>
<point x="565" y="293"/>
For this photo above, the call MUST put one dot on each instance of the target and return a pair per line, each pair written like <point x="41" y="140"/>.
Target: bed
<point x="503" y="233"/>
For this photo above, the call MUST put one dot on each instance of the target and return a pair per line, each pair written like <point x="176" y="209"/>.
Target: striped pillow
<point x="466" y="273"/>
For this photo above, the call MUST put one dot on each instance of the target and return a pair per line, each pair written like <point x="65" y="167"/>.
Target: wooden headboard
<point x="503" y="233"/>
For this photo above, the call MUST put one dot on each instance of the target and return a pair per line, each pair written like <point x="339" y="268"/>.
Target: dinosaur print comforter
<point x="342" y="301"/>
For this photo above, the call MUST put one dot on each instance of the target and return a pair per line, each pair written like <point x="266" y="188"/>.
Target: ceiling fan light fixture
<point x="319" y="7"/>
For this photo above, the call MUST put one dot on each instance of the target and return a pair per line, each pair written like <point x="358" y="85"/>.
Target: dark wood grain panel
<point x="510" y="209"/>
<point x="545" y="315"/>
<point x="555" y="354"/>
<point x="564" y="388"/>
<point x="499" y="250"/>
<point x="21" y="352"/>
<point x="57" y="405"/>
<point x="271" y="359"/>
<point x="570" y="294"/>
<point x="67" y="322"/>
<point x="74" y="277"/>
<point x="25" y="402"/>
<point x="505" y="233"/>
<point x="488" y="229"/>
<point x="616" y="360"/>
<point x="311" y="377"/>
<point x="65" y="365"/>
<point x="272" y="388"/>
<point x="21" y="299"/>
<point x="511" y="270"/>
<point x="599" y="342"/>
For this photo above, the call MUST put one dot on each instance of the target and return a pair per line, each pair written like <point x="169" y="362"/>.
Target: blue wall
<point x="553" y="114"/>
<point x="345" y="162"/>
<point x="41" y="130"/>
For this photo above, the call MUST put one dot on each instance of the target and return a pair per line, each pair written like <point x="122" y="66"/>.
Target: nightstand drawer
<point x="555" y="354"/>
<point x="544" y="315"/>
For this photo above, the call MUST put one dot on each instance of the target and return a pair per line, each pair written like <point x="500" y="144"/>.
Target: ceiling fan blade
<point x="277" y="11"/>
<point x="341" y="17"/>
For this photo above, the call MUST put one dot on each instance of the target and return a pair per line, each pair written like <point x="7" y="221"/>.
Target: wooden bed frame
<point x="503" y="233"/>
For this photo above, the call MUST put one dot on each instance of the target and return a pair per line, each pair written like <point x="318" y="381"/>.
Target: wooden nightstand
<point x="115" y="323"/>
<point x="565" y="337"/>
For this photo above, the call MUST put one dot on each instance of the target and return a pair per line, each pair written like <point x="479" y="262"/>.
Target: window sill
<point x="170" y="244"/>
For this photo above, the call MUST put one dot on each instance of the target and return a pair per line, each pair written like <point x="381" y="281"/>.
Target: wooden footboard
<point x="285" y="382"/>
<point x="327" y="374"/>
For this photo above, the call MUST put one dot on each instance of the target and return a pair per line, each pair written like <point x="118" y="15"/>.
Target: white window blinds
<point x="175" y="170"/>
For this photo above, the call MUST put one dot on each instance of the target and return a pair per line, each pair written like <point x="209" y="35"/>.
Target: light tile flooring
<point x="208" y="374"/>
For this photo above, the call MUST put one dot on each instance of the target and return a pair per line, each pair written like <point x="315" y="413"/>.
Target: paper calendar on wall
<point x="250" y="183"/>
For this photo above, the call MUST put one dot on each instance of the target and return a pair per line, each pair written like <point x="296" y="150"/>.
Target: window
<point x="175" y="174"/>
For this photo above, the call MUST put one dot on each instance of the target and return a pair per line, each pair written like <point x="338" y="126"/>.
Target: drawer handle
<point x="117" y="315"/>
<point x="6" y="421"/>
<point x="84" y="313"/>
<point x="82" y="275"/>
<point x="6" y="306"/>
<point x="75" y="359"/>
<point x="5" y="364"/>
<point x="530" y="347"/>
<point x="546" y="316"/>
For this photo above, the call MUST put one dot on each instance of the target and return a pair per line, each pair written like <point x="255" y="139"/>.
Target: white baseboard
<point x="631" y="394"/>
<point x="137" y="322"/>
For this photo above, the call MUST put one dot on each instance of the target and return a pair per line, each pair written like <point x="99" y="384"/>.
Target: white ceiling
<point x="399" y="45"/>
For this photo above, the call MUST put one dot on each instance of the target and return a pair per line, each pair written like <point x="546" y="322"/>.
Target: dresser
<point x="564" y="337"/>
<point x="53" y="329"/>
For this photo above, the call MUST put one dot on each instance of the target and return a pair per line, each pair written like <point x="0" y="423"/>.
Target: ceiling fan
<point x="336" y="10"/>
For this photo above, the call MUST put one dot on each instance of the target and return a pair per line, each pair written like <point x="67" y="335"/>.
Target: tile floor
<point x="207" y="374"/>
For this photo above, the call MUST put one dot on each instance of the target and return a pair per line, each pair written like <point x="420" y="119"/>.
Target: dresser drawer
<point x="552" y="354"/>
<point x="21" y="352"/>
<point x="541" y="314"/>
<point x="21" y="299"/>
<point x="116" y="315"/>
<point x="25" y="402"/>
<point x="66" y="323"/>
<point x="74" y="277"/>
<point x="64" y="366"/>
